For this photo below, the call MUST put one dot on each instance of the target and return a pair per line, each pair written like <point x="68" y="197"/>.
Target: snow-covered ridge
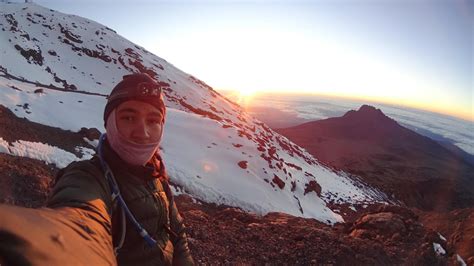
<point x="57" y="68"/>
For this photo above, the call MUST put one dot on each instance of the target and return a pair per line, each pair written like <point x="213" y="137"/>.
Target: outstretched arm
<point x="76" y="231"/>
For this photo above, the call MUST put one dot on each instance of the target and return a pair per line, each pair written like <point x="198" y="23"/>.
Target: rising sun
<point x="244" y="96"/>
<point x="246" y="92"/>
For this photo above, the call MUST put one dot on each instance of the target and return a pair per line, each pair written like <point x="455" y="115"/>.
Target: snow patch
<point x="86" y="152"/>
<point x="40" y="151"/>
<point x="93" y="143"/>
<point x="460" y="260"/>
<point x="438" y="249"/>
<point x="196" y="201"/>
<point x="442" y="237"/>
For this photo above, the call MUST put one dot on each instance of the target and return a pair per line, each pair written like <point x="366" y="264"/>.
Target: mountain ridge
<point x="375" y="147"/>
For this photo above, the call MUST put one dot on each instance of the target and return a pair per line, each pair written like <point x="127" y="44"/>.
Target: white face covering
<point x="132" y="153"/>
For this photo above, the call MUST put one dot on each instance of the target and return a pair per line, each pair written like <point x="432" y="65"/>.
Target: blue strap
<point x="116" y="195"/>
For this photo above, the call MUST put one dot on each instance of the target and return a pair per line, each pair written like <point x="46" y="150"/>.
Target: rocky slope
<point x="385" y="236"/>
<point x="456" y="226"/>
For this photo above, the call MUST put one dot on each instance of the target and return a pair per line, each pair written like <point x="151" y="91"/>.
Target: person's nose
<point x="141" y="130"/>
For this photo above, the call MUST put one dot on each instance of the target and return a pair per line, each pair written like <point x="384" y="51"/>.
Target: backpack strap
<point x="123" y="230"/>
<point x="119" y="222"/>
<point x="169" y="195"/>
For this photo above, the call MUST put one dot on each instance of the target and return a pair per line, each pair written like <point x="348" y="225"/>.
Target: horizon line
<point x="458" y="115"/>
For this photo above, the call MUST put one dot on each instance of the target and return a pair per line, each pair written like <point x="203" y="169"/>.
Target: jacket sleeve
<point x="81" y="185"/>
<point x="76" y="223"/>
<point x="182" y="254"/>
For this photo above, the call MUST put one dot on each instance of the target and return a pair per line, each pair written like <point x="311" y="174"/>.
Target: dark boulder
<point x="90" y="133"/>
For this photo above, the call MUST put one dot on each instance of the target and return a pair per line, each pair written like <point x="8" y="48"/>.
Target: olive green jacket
<point x="83" y="185"/>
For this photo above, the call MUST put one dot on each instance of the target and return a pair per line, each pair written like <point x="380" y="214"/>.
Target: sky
<point x="416" y="53"/>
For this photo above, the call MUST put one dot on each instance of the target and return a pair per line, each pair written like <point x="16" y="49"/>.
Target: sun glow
<point x="243" y="98"/>
<point x="247" y="92"/>
<point x="249" y="62"/>
<point x="208" y="166"/>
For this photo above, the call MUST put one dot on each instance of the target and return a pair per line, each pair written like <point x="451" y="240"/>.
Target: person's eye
<point x="127" y="118"/>
<point x="154" y="121"/>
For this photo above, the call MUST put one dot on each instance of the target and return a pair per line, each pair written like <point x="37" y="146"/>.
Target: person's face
<point x="139" y="122"/>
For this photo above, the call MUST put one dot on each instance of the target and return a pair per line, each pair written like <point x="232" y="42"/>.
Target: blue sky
<point x="416" y="53"/>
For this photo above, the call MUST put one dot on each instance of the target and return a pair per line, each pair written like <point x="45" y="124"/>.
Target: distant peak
<point x="367" y="112"/>
<point x="369" y="109"/>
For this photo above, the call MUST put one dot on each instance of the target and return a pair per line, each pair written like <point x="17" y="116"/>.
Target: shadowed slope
<point x="411" y="167"/>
